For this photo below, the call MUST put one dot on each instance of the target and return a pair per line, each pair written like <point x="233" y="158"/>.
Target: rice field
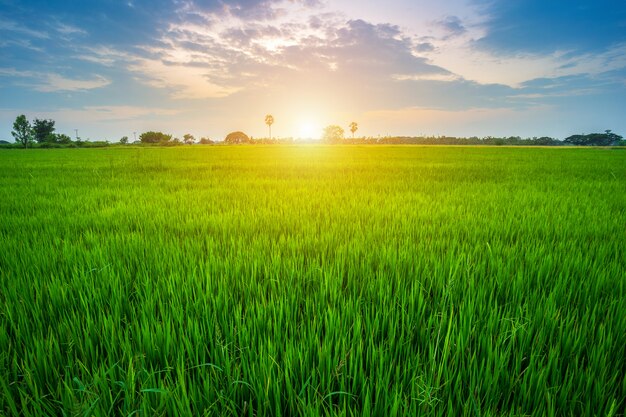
<point x="313" y="281"/>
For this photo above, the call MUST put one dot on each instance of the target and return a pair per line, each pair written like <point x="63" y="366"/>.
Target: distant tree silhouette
<point x="333" y="134"/>
<point x="235" y="138"/>
<point x="123" y="140"/>
<point x="188" y="139"/>
<point x="353" y="128"/>
<point x="594" y="139"/>
<point x="545" y="141"/>
<point x="269" y="121"/>
<point x="22" y="131"/>
<point x="154" y="137"/>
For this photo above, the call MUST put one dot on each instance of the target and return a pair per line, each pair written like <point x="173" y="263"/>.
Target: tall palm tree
<point x="269" y="121"/>
<point x="353" y="128"/>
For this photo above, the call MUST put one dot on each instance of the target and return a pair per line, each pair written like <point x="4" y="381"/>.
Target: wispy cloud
<point x="95" y="114"/>
<point x="56" y="82"/>
<point x="69" y="30"/>
<point x="115" y="113"/>
<point x="52" y="82"/>
<point x="19" y="28"/>
<point x="537" y="26"/>
<point x="446" y="77"/>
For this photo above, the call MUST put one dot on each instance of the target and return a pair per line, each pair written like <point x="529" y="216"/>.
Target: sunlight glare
<point x="308" y="130"/>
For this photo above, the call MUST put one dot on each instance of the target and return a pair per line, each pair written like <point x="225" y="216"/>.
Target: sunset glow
<point x="309" y="130"/>
<point x="209" y="68"/>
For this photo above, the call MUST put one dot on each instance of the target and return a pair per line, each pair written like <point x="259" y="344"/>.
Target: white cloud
<point x="216" y="60"/>
<point x="427" y="77"/>
<point x="111" y="113"/>
<point x="102" y="55"/>
<point x="185" y="82"/>
<point x="485" y="67"/>
<point x="461" y="55"/>
<point x="52" y="82"/>
<point x="55" y="82"/>
<point x="69" y="30"/>
<point x="12" y="72"/>
<point x="11" y="26"/>
<point x="91" y="114"/>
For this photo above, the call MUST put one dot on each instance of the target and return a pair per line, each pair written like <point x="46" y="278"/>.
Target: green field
<point x="285" y="281"/>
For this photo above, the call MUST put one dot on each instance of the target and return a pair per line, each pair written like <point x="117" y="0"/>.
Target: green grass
<point x="284" y="281"/>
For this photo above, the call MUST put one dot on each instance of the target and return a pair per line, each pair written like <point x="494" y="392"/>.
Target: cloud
<point x="17" y="28"/>
<point x="422" y="47"/>
<point x="304" y="59"/>
<point x="56" y="82"/>
<point x="377" y="50"/>
<point x="560" y="89"/>
<point x="183" y="81"/>
<point x="266" y="10"/>
<point x="95" y="113"/>
<point x="101" y="55"/>
<point x="453" y="26"/>
<point x="221" y="58"/>
<point x="52" y="82"/>
<point x="69" y="30"/>
<point x="112" y="113"/>
<point x="427" y="77"/>
<point x="539" y="26"/>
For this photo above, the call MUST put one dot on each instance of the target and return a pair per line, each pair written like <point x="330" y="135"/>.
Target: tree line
<point x="42" y="133"/>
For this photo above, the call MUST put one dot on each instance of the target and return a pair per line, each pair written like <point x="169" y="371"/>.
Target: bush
<point x="50" y="145"/>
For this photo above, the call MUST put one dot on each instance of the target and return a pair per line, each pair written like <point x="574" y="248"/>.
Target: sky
<point x="110" y="68"/>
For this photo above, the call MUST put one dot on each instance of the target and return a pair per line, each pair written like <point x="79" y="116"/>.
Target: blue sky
<point x="460" y="67"/>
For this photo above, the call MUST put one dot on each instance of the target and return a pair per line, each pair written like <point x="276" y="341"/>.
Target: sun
<point x="308" y="130"/>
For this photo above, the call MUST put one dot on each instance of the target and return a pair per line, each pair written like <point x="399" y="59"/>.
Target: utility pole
<point x="76" y="130"/>
<point x="135" y="134"/>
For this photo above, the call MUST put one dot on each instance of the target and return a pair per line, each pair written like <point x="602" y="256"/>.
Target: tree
<point x="154" y="137"/>
<point x="188" y="139"/>
<point x="22" y="131"/>
<point x="333" y="134"/>
<point x="594" y="139"/>
<point x="353" y="128"/>
<point x="123" y="140"/>
<point x="235" y="138"/>
<point x="269" y="121"/>
<point x="43" y="129"/>
<point x="545" y="141"/>
<point x="206" y="141"/>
